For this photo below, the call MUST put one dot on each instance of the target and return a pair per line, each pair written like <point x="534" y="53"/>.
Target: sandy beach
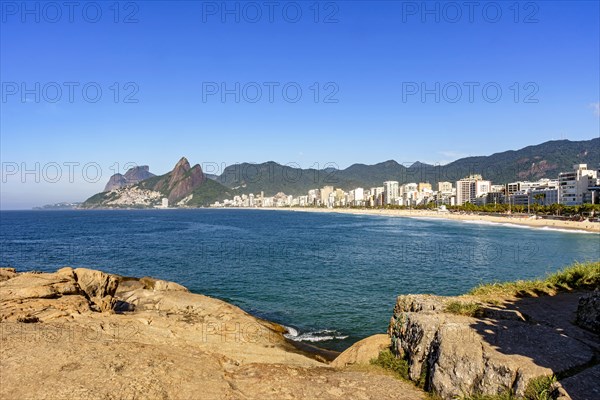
<point x="513" y="220"/>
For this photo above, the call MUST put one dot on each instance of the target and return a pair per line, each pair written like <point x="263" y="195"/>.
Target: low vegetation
<point x="575" y="277"/>
<point x="468" y="309"/>
<point x="540" y="388"/>
<point x="387" y="360"/>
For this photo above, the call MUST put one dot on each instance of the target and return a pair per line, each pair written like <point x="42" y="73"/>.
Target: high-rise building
<point x="409" y="194"/>
<point x="325" y="192"/>
<point x="314" y="197"/>
<point x="470" y="188"/>
<point x="340" y="197"/>
<point x="445" y="187"/>
<point x="357" y="196"/>
<point x="390" y="189"/>
<point x="573" y="186"/>
<point x="424" y="187"/>
<point x="378" y="194"/>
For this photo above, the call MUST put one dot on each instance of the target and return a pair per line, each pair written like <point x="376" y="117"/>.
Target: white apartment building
<point x="390" y="191"/>
<point x="445" y="187"/>
<point x="573" y="185"/>
<point x="325" y="192"/>
<point x="526" y="186"/>
<point x="410" y="194"/>
<point x="470" y="188"/>
<point x="377" y="194"/>
<point x="314" y="196"/>
<point x="357" y="197"/>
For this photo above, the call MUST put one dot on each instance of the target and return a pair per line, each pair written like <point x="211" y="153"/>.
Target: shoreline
<point x="516" y="221"/>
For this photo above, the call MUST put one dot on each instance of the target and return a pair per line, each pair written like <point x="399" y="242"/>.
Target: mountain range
<point x="545" y="160"/>
<point x="189" y="186"/>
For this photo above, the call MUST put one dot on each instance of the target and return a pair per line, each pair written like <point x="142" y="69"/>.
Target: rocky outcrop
<point x="181" y="181"/>
<point x="36" y="297"/>
<point x="502" y="349"/>
<point x="588" y="312"/>
<point x="41" y="297"/>
<point x="160" y="285"/>
<point x="7" y="273"/>
<point x="162" y="343"/>
<point x="132" y="176"/>
<point x="98" y="287"/>
<point x="363" y="351"/>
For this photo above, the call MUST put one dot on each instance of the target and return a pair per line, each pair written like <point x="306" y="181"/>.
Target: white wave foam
<point x="316" y="336"/>
<point x="290" y="332"/>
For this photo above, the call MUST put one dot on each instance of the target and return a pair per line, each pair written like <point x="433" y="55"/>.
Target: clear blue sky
<point x="371" y="53"/>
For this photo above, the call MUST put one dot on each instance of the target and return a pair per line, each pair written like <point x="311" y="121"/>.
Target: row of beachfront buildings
<point x="579" y="186"/>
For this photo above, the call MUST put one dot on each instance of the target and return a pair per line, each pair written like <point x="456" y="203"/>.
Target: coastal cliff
<point x="84" y="334"/>
<point x="493" y="342"/>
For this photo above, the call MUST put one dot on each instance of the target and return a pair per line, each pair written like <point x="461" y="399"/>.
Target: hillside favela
<point x="300" y="200"/>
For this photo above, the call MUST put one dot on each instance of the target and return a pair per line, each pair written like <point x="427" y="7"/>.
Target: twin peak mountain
<point x="181" y="181"/>
<point x="184" y="185"/>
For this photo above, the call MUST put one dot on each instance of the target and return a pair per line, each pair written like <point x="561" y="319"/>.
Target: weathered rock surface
<point x="99" y="287"/>
<point x="363" y="351"/>
<point x="7" y="273"/>
<point x="504" y="348"/>
<point x="173" y="345"/>
<point x="588" y="312"/>
<point x="160" y="285"/>
<point x="37" y="297"/>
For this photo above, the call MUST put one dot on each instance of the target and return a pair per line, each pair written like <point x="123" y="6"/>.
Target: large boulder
<point x="7" y="273"/>
<point x="363" y="351"/>
<point x="460" y="355"/>
<point x="99" y="287"/>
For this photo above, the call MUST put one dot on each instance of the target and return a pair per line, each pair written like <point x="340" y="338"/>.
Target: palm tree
<point x="540" y="197"/>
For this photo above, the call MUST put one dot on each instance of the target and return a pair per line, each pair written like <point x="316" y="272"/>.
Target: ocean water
<point x="332" y="278"/>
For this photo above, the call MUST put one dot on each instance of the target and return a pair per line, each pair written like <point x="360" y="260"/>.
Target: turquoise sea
<point x="332" y="278"/>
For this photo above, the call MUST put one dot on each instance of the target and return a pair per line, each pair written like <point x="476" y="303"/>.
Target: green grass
<point x="387" y="360"/>
<point x="574" y="277"/>
<point x="469" y="309"/>
<point x="540" y="388"/>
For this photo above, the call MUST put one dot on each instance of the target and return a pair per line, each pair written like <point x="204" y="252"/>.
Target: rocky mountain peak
<point x="181" y="181"/>
<point x="132" y="176"/>
<point x="139" y="173"/>
<point x="182" y="164"/>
